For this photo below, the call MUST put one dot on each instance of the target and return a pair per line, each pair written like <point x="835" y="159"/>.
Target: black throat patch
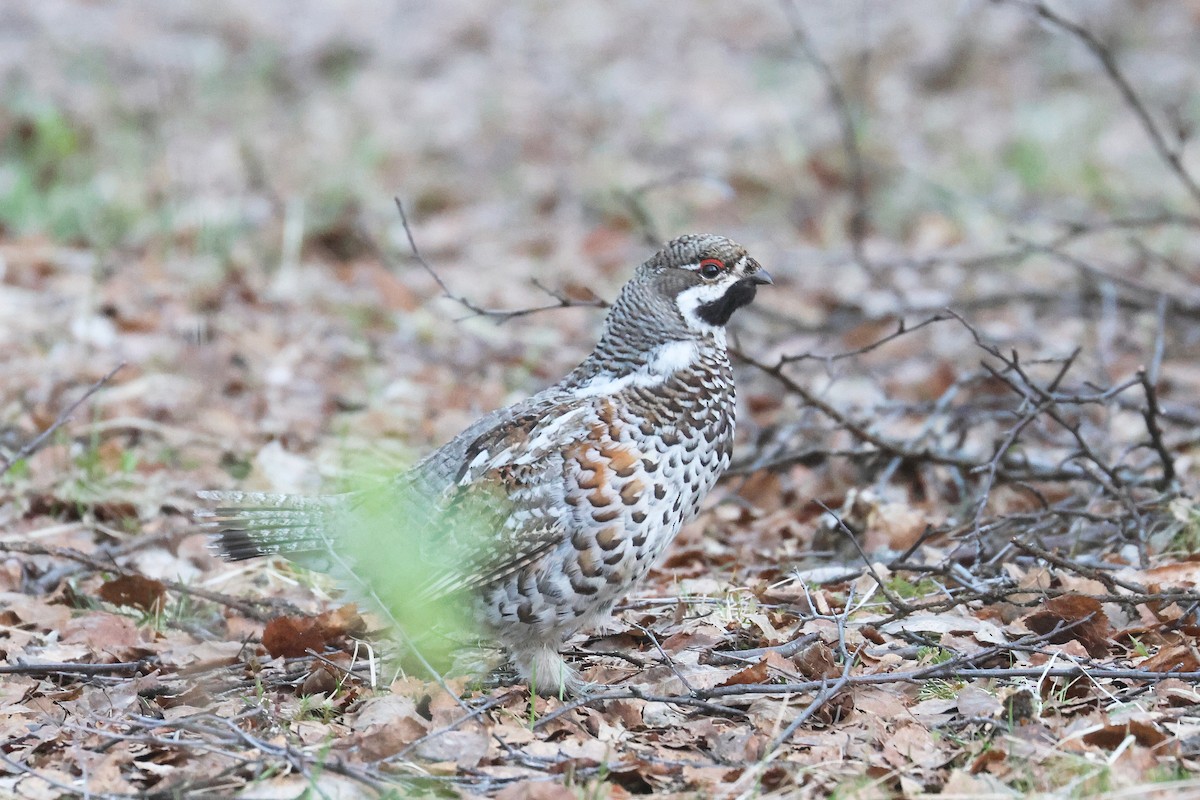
<point x="718" y="312"/>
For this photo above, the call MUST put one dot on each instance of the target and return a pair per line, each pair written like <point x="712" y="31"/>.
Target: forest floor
<point x="958" y="553"/>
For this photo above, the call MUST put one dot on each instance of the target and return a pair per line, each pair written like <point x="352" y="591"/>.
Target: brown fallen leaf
<point x="466" y="748"/>
<point x="986" y="759"/>
<point x="1183" y="573"/>
<point x="627" y="712"/>
<point x="321" y="680"/>
<point x="1089" y="624"/>
<point x="1178" y="657"/>
<point x="684" y="640"/>
<point x="817" y="661"/>
<point x="290" y="637"/>
<point x="1177" y="693"/>
<point x="756" y="673"/>
<point x="976" y="702"/>
<point x="104" y="633"/>
<point x="872" y="634"/>
<point x="136" y="591"/>
<point x="912" y="745"/>
<point x="641" y="777"/>
<point x="387" y="739"/>
<point x="1110" y="737"/>
<point x="388" y="724"/>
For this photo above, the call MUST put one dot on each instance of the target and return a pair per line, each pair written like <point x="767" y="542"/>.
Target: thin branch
<point x="502" y="315"/>
<point x="742" y="657"/>
<point x="860" y="215"/>
<point x="892" y="597"/>
<point x="824" y="696"/>
<point x="251" y="608"/>
<point x="1104" y="54"/>
<point x="68" y="790"/>
<point x="666" y="658"/>
<point x="948" y="670"/>
<point x="69" y="668"/>
<point x="1148" y="376"/>
<point x="33" y="445"/>
<point x="902" y="329"/>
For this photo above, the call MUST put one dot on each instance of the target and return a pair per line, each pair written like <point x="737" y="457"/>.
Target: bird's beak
<point x="762" y="277"/>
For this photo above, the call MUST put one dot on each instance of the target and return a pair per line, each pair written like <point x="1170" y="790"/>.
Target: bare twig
<point x="1074" y="566"/>
<point x="741" y="657"/>
<point x="69" y="668"/>
<point x="1148" y="376"/>
<point x="1010" y="469"/>
<point x="1108" y="61"/>
<point x="68" y="790"/>
<point x="251" y="608"/>
<point x="892" y="597"/>
<point x="502" y="315"/>
<point x="475" y="713"/>
<point x="902" y="329"/>
<point x="948" y="670"/>
<point x="32" y="446"/>
<point x="860" y="216"/>
<point x="666" y="658"/>
<point x="827" y="693"/>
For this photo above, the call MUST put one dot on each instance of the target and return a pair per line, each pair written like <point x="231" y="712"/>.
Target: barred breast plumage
<point x="580" y="488"/>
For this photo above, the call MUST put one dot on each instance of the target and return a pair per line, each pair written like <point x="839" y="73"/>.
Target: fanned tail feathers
<point x="251" y="524"/>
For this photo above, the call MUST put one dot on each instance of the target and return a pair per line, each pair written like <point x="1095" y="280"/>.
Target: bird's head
<point x="702" y="279"/>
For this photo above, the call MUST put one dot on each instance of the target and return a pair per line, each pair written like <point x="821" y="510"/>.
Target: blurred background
<point x="205" y="191"/>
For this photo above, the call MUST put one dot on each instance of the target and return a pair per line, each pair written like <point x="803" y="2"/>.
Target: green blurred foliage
<point x="398" y="548"/>
<point x="50" y="181"/>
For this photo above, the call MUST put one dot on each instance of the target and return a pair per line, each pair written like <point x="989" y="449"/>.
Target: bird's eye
<point x="711" y="267"/>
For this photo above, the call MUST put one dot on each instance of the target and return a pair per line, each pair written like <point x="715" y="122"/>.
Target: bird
<point x="570" y="495"/>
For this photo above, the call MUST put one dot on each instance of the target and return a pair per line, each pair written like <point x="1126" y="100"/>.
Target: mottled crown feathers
<point x="687" y="290"/>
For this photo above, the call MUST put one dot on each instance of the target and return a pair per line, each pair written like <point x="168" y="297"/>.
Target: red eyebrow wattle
<point x="715" y="261"/>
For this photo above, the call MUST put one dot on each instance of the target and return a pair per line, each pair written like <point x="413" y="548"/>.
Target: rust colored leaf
<point x="1179" y="657"/>
<point x="816" y="661"/>
<point x="1177" y="693"/>
<point x="136" y="591"/>
<point x="986" y="759"/>
<point x="627" y="712"/>
<point x="342" y="621"/>
<point x="388" y="738"/>
<point x="290" y="637"/>
<point x="579" y="292"/>
<point x="756" y="673"/>
<point x="1110" y="736"/>
<point x="840" y="706"/>
<point x="685" y="640"/>
<point x="1089" y="624"/>
<point x="872" y="634"/>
